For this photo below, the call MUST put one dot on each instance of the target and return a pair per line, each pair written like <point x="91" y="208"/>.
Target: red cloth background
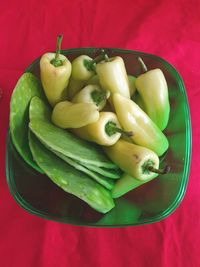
<point x="170" y="29"/>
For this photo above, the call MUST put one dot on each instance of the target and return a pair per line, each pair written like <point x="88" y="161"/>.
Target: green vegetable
<point x="110" y="173"/>
<point x="69" y="145"/>
<point x="38" y="110"/>
<point x="106" y="182"/>
<point x="70" y="179"/>
<point x="27" y="87"/>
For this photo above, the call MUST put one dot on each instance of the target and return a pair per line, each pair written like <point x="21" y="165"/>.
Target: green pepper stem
<point x="126" y="133"/>
<point x="111" y="129"/>
<point x="97" y="59"/>
<point x="107" y="59"/>
<point x="144" y="67"/>
<point x="159" y="171"/>
<point x="90" y="64"/>
<point x="56" y="61"/>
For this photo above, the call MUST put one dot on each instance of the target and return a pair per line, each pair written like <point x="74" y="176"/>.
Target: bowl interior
<point x="148" y="203"/>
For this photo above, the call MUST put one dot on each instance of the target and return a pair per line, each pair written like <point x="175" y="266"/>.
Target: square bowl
<point x="148" y="203"/>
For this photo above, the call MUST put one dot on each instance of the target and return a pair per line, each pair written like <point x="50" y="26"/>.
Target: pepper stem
<point x="126" y="133"/>
<point x="111" y="129"/>
<point x="56" y="61"/>
<point x="90" y="64"/>
<point x="144" y="67"/>
<point x="165" y="170"/>
<point x="106" y="57"/>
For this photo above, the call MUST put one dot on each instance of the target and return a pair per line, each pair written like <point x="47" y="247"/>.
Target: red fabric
<point x="170" y="29"/>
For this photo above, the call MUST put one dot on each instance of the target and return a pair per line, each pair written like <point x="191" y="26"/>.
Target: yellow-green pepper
<point x="83" y="68"/>
<point x="55" y="70"/>
<point x="145" y="132"/>
<point x="113" y="76"/>
<point x="74" y="115"/>
<point x="131" y="81"/>
<point x="153" y="89"/>
<point x="106" y="131"/>
<point x="137" y="161"/>
<point x="92" y="94"/>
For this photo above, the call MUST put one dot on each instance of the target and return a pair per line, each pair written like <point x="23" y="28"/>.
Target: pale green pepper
<point x="131" y="81"/>
<point x="153" y="89"/>
<point x="83" y="68"/>
<point x="55" y="70"/>
<point x="92" y="94"/>
<point x="74" y="115"/>
<point x="113" y="76"/>
<point x="106" y="131"/>
<point x="137" y="161"/>
<point x="145" y="132"/>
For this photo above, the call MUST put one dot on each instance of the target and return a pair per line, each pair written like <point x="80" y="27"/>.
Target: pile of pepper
<point x="98" y="101"/>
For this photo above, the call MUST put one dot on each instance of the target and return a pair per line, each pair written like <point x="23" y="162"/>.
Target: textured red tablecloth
<point x="170" y="29"/>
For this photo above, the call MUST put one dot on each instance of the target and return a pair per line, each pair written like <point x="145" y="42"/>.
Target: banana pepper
<point x="83" y="68"/>
<point x="55" y="70"/>
<point x="106" y="131"/>
<point x="131" y="82"/>
<point x="74" y="115"/>
<point x="113" y="76"/>
<point x="145" y="132"/>
<point x="137" y="161"/>
<point x="92" y="94"/>
<point x="152" y="87"/>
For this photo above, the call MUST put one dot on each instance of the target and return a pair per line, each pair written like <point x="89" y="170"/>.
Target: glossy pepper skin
<point x="74" y="115"/>
<point x="145" y="132"/>
<point x="133" y="159"/>
<point x="153" y="89"/>
<point x="102" y="131"/>
<point x="92" y="94"/>
<point x="113" y="76"/>
<point x="54" y="79"/>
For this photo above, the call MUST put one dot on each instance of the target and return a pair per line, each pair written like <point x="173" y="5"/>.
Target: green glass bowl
<point x="148" y="203"/>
